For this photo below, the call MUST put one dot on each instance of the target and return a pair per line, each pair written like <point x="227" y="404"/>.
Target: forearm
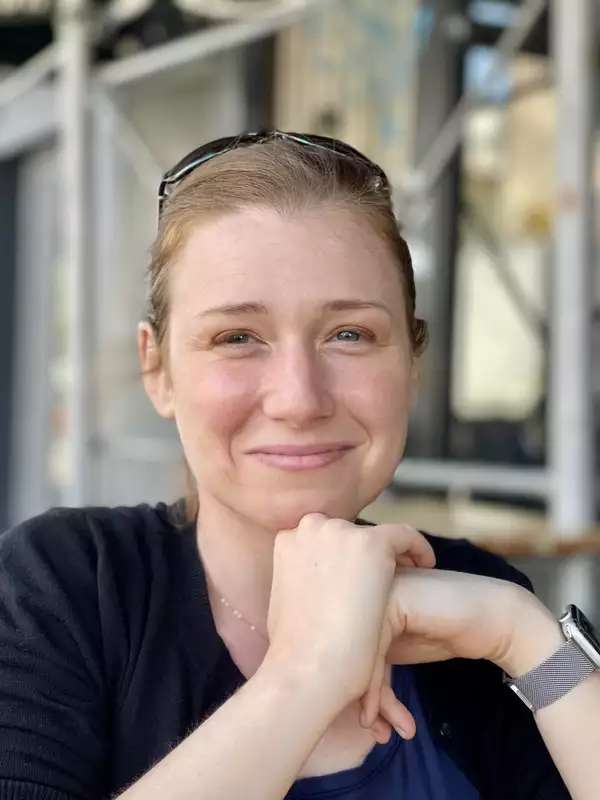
<point x="571" y="731"/>
<point x="569" y="726"/>
<point x="253" y="746"/>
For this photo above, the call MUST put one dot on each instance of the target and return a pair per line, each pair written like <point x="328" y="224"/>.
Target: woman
<point x="260" y="640"/>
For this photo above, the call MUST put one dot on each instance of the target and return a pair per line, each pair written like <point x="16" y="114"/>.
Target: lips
<point x="301" y="450"/>
<point x="301" y="457"/>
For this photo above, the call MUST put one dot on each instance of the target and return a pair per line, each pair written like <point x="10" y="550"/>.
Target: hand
<point x="434" y="615"/>
<point x="392" y="713"/>
<point x="331" y="585"/>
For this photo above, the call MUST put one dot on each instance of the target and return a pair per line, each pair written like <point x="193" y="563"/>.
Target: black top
<point x="109" y="657"/>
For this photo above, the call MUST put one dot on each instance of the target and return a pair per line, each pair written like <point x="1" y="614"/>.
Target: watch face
<point x="584" y="634"/>
<point x="586" y="626"/>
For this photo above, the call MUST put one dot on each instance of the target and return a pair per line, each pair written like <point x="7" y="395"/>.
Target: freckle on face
<point x="291" y="264"/>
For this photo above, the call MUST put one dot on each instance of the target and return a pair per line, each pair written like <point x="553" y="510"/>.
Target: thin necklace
<point x="239" y="615"/>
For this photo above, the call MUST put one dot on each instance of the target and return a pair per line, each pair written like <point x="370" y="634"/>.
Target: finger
<point x="397" y="714"/>
<point x="382" y="730"/>
<point x="382" y="727"/>
<point x="372" y="697"/>
<point x="416" y="649"/>
<point x="407" y="561"/>
<point x="405" y="540"/>
<point x="313" y="516"/>
<point x="392" y="710"/>
<point x="381" y="674"/>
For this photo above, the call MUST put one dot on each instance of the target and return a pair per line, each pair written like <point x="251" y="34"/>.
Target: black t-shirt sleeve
<point x="54" y="716"/>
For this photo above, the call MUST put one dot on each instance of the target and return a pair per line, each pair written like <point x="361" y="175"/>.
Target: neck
<point x="237" y="556"/>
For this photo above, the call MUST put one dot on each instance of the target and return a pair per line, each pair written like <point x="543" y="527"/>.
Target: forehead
<point x="285" y="259"/>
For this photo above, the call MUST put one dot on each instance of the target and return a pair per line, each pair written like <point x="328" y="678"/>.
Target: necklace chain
<point x="239" y="615"/>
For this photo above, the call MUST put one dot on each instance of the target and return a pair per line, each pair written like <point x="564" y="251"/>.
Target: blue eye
<point x="235" y="338"/>
<point x="240" y="338"/>
<point x="357" y="334"/>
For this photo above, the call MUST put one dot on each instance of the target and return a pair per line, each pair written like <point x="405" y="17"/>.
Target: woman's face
<point x="286" y="332"/>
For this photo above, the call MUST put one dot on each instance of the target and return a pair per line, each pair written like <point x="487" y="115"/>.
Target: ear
<point x="414" y="381"/>
<point x="155" y="373"/>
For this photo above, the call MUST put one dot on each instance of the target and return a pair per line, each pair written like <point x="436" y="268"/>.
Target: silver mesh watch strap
<point x="553" y="678"/>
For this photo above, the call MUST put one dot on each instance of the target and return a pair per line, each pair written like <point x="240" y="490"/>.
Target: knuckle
<point x="411" y="534"/>
<point x="282" y="540"/>
<point x="311" y="519"/>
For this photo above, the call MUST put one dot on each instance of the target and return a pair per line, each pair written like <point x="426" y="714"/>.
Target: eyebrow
<point x="238" y="309"/>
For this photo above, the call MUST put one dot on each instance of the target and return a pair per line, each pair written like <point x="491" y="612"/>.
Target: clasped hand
<point x="376" y="600"/>
<point x="435" y="615"/>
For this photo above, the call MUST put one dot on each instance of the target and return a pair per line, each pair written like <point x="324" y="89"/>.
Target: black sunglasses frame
<point x="205" y="152"/>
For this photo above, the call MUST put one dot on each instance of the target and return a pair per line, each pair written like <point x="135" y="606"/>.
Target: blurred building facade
<point x="379" y="74"/>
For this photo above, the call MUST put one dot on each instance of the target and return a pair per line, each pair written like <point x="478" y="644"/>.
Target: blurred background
<point x="484" y="115"/>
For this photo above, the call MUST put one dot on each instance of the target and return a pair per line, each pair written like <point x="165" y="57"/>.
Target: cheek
<point x="380" y="395"/>
<point x="215" y="400"/>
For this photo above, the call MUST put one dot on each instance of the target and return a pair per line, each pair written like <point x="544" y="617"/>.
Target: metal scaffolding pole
<point x="423" y="179"/>
<point x="72" y="32"/>
<point x="204" y="43"/>
<point x="28" y="76"/>
<point x="570" y="419"/>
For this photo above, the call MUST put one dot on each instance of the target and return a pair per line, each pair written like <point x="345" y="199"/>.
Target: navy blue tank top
<point x="409" y="770"/>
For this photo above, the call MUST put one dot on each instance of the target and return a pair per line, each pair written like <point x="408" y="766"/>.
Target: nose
<point x="296" y="387"/>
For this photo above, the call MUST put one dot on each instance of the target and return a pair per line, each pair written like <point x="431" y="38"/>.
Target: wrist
<point x="535" y="635"/>
<point x="306" y="678"/>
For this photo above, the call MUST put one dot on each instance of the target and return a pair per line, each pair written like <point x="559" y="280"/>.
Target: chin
<point x="286" y="513"/>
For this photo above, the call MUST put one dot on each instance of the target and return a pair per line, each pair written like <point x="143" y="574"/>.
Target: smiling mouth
<point x="295" y="461"/>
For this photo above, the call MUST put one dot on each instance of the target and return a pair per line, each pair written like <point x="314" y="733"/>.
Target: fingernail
<point x="401" y="732"/>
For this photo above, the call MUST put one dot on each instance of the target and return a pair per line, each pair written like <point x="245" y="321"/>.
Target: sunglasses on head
<point x="200" y="155"/>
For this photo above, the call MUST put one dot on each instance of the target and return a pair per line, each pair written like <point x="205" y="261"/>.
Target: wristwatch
<point x="577" y="658"/>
